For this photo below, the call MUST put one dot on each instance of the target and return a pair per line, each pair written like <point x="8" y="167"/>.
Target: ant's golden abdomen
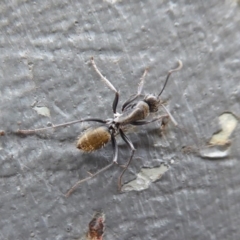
<point x="93" y="139"/>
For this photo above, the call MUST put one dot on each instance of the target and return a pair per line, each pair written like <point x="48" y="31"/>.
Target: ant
<point x="133" y="113"/>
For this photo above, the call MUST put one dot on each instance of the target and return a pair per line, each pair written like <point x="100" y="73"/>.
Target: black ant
<point x="133" y="113"/>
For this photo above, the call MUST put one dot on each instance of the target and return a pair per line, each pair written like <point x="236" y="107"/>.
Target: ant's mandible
<point x="133" y="113"/>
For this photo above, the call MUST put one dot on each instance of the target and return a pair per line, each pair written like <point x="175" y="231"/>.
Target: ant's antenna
<point x="169" y="74"/>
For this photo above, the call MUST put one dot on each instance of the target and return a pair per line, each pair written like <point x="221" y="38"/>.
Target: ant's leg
<point x="115" y="148"/>
<point x="73" y="188"/>
<point x="115" y="155"/>
<point x="170" y="115"/>
<point x="164" y="123"/>
<point x="150" y="121"/>
<point x="130" y="144"/>
<point x="109" y="84"/>
<point x="31" y="131"/>
<point x="140" y="87"/>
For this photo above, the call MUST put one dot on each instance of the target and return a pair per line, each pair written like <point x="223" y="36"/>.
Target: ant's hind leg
<point x="32" y="131"/>
<point x="130" y="144"/>
<point x="114" y="161"/>
<point x="75" y="186"/>
<point x="109" y="84"/>
<point x="140" y="87"/>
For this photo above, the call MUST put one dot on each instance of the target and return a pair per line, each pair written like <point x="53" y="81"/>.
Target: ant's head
<point x="153" y="102"/>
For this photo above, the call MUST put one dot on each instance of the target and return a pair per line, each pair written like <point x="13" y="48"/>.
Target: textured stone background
<point x="45" y="48"/>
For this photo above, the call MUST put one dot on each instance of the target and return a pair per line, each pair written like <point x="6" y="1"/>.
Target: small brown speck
<point x="2" y="133"/>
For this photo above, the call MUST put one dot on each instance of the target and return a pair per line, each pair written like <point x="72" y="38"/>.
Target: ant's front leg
<point x="140" y="87"/>
<point x="170" y="115"/>
<point x="144" y="122"/>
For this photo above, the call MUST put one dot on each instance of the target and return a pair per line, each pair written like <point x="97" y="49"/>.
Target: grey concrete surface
<point x="45" y="47"/>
